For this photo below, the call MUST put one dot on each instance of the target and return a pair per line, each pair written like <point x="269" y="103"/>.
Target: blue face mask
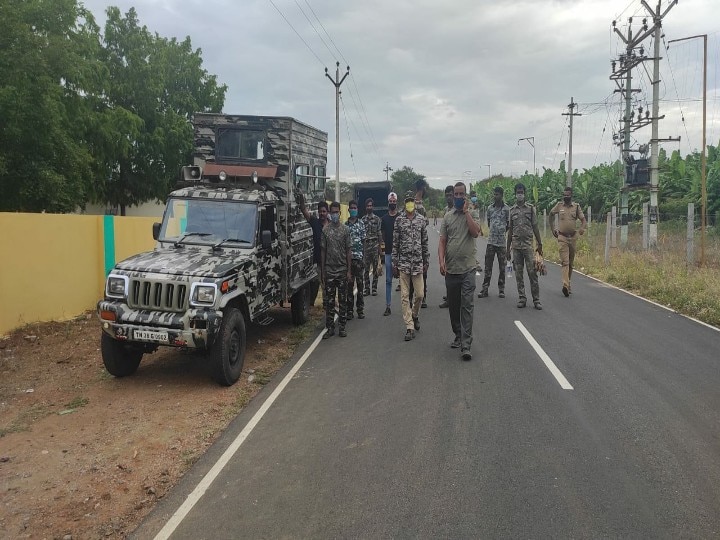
<point x="353" y="212"/>
<point x="459" y="202"/>
<point x="335" y="218"/>
<point x="473" y="199"/>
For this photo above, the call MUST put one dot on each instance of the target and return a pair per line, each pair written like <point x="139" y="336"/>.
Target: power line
<point x="672" y="74"/>
<point x="352" y="157"/>
<point x="297" y="33"/>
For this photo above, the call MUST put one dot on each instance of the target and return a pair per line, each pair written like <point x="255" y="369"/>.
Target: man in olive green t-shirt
<point x="456" y="253"/>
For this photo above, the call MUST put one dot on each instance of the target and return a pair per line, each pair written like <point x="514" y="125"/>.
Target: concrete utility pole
<point x="627" y="62"/>
<point x="703" y="211"/>
<point x="571" y="114"/>
<point x="387" y="170"/>
<point x="488" y="166"/>
<point x="337" y="82"/>
<point x="531" y="142"/>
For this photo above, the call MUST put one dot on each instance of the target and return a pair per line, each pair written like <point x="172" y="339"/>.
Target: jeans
<point x="460" y="293"/>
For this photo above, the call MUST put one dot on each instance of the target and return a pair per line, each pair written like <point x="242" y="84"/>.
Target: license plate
<point x="146" y="335"/>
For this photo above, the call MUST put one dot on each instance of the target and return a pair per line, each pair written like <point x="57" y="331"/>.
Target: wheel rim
<point x="234" y="348"/>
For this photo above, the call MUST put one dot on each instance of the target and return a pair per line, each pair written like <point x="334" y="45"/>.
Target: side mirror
<point x="156" y="231"/>
<point x="266" y="239"/>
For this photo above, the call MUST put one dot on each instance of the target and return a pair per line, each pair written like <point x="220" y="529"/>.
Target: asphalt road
<point x="375" y="437"/>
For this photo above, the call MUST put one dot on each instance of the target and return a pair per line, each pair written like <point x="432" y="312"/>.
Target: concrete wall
<point x="53" y="266"/>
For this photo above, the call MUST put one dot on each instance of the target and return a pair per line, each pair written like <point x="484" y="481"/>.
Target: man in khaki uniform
<point x="522" y="226"/>
<point x="568" y="213"/>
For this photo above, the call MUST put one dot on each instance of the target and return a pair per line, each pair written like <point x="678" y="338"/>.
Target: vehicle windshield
<point x="209" y="221"/>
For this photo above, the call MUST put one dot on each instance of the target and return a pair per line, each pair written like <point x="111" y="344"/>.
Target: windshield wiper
<point x="180" y="240"/>
<point x="237" y="240"/>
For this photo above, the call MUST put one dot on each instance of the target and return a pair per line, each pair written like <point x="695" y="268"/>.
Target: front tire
<point x="227" y="354"/>
<point x="300" y="305"/>
<point x="120" y="359"/>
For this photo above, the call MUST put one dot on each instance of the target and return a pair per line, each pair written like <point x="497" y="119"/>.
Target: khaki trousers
<point x="418" y="286"/>
<point x="567" y="257"/>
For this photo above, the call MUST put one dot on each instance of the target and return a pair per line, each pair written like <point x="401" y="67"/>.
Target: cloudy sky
<point x="446" y="88"/>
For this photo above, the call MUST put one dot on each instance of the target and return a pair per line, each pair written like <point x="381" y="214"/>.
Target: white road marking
<point x="208" y="479"/>
<point x="544" y="357"/>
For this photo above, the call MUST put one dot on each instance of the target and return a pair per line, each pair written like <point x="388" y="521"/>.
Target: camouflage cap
<point x="409" y="196"/>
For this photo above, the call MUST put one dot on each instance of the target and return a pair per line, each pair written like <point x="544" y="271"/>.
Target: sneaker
<point x="342" y="333"/>
<point x="566" y="291"/>
<point x="361" y="315"/>
<point x="409" y="334"/>
<point x="455" y="344"/>
<point x="521" y="304"/>
<point x="416" y="323"/>
<point x="329" y="333"/>
<point x="537" y="305"/>
<point x="466" y="355"/>
<point x="502" y="294"/>
<point x="387" y="311"/>
<point x="444" y="304"/>
<point x="424" y="304"/>
<point x="483" y="294"/>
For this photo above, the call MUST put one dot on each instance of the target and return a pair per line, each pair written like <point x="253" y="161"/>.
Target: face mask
<point x="334" y="218"/>
<point x="353" y="212"/>
<point x="410" y="207"/>
<point x="473" y="199"/>
<point x="567" y="200"/>
<point x="459" y="202"/>
<point x="520" y="198"/>
<point x="392" y="206"/>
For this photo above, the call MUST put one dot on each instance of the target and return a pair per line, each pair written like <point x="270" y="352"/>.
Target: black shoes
<point x="424" y="304"/>
<point x="455" y="344"/>
<point x="366" y="292"/>
<point x="444" y="304"/>
<point x="521" y="303"/>
<point x="502" y="294"/>
<point x="342" y="333"/>
<point x="350" y="316"/>
<point x="566" y="291"/>
<point x="329" y="333"/>
<point x="537" y="305"/>
<point x="416" y="323"/>
<point x="374" y="293"/>
<point x="361" y="315"/>
<point x="398" y="287"/>
<point x="483" y="294"/>
<point x="409" y="334"/>
<point x="387" y="311"/>
<point x="466" y="355"/>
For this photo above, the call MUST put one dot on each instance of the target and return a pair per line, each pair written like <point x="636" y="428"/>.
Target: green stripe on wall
<point x="109" y="242"/>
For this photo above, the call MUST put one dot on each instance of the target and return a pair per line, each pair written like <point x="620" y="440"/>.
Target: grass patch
<point x="77" y="403"/>
<point x="25" y="419"/>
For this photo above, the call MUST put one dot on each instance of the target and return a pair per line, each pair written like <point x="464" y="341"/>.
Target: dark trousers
<point x="356" y="270"/>
<point x="490" y="254"/>
<point x="372" y="261"/>
<point x="460" y="293"/>
<point x="333" y="286"/>
<point x="525" y="258"/>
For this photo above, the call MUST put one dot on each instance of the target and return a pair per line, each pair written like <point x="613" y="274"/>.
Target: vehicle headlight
<point x="116" y="286"/>
<point x="203" y="294"/>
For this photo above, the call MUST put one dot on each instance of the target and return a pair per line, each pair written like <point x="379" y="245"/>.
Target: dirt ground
<point x="86" y="455"/>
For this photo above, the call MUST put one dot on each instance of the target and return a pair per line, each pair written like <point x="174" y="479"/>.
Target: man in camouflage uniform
<point x="410" y="258"/>
<point x="522" y="226"/>
<point x="421" y="186"/>
<point x="336" y="262"/>
<point x="372" y="248"/>
<point x="357" y="265"/>
<point x="498" y="215"/>
<point x="568" y="213"/>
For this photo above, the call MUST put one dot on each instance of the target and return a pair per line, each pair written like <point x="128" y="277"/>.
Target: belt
<point x="567" y="235"/>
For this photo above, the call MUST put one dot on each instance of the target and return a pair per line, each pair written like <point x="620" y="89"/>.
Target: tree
<point x="154" y="85"/>
<point x="47" y="51"/>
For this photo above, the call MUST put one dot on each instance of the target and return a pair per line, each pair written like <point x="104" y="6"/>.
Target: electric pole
<point x="531" y="142"/>
<point x="571" y="114"/>
<point x="336" y="83"/>
<point x="387" y="170"/>
<point x="622" y="69"/>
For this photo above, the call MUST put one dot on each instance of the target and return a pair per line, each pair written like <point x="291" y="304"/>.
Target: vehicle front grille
<point x="158" y="295"/>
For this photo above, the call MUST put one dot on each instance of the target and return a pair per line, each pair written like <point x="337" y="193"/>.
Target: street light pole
<point x="703" y="211"/>
<point x="488" y="166"/>
<point x="531" y="142"/>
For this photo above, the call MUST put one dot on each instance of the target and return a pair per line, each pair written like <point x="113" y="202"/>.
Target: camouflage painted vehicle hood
<point x="185" y="261"/>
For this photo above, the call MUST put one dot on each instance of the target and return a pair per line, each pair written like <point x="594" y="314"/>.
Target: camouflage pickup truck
<point x="232" y="244"/>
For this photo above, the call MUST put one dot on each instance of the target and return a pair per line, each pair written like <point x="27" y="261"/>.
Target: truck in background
<point x="378" y="191"/>
<point x="232" y="244"/>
